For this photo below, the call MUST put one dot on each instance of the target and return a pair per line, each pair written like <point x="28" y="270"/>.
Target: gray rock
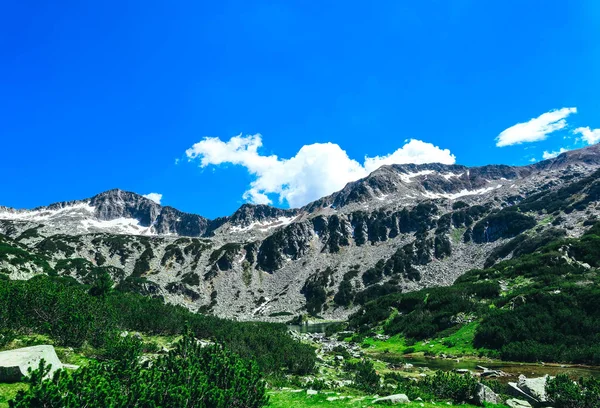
<point x="517" y="403"/>
<point x="515" y="391"/>
<point x="534" y="387"/>
<point x="393" y="399"/>
<point x="484" y="393"/>
<point x="15" y="363"/>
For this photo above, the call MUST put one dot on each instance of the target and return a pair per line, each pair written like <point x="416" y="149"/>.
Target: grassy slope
<point x="459" y="343"/>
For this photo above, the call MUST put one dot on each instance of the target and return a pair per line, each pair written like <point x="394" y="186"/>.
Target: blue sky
<point x="123" y="94"/>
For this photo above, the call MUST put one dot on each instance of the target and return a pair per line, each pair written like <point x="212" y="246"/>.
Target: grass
<point x="459" y="343"/>
<point x="286" y="399"/>
<point x="457" y="235"/>
<point x="9" y="391"/>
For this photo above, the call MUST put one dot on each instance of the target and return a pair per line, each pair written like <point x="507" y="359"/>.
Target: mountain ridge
<point x="402" y="228"/>
<point x="384" y="180"/>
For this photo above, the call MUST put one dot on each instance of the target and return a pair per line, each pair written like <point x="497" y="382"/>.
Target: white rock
<point x="535" y="387"/>
<point x="517" y="403"/>
<point x="15" y="363"/>
<point x="393" y="399"/>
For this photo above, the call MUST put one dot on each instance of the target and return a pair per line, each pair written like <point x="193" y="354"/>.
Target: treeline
<point x="71" y="315"/>
<point x="547" y="310"/>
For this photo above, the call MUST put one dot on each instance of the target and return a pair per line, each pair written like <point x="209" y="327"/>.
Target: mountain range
<point x="401" y="228"/>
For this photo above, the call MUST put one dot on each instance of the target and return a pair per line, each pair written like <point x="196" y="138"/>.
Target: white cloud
<point x="535" y="129"/>
<point x="532" y="160"/>
<point x="315" y="171"/>
<point x="415" y="151"/>
<point x="590" y="136"/>
<point x="551" y="155"/>
<point x="156" y="197"/>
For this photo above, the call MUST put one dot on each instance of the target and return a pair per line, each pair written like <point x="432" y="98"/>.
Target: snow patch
<point x="263" y="226"/>
<point x="408" y="176"/>
<point x="451" y="175"/>
<point x="80" y="218"/>
<point x="129" y="226"/>
<point x="75" y="210"/>
<point x="462" y="193"/>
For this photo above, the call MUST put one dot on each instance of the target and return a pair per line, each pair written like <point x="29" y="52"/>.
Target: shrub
<point x="566" y="393"/>
<point x="188" y="376"/>
<point x="366" y="378"/>
<point x="448" y="385"/>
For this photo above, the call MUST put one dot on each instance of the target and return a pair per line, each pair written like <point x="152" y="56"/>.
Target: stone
<point x="392" y="399"/>
<point x="15" y="363"/>
<point x="534" y="387"/>
<point x="483" y="393"/>
<point x="514" y="390"/>
<point x="312" y="392"/>
<point x="517" y="403"/>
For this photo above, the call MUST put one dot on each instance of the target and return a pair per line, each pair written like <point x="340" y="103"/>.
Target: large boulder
<point x="484" y="394"/>
<point x="534" y="387"/>
<point x="392" y="399"/>
<point x="15" y="363"/>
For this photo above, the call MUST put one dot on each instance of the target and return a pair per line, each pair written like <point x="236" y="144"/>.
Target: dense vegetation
<point x="442" y="386"/>
<point x="187" y="376"/>
<point x="563" y="392"/>
<point x="69" y="313"/>
<point x="539" y="306"/>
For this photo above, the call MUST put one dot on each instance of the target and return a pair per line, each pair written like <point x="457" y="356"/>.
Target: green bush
<point x="188" y="376"/>
<point x="448" y="385"/>
<point x="566" y="393"/>
<point x="366" y="378"/>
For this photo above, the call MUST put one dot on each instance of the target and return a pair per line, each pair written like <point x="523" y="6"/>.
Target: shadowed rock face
<point x="402" y="228"/>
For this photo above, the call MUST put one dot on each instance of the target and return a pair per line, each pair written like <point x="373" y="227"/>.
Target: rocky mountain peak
<point x="116" y="203"/>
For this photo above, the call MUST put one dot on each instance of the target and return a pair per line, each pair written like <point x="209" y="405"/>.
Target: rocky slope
<point x="401" y="228"/>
